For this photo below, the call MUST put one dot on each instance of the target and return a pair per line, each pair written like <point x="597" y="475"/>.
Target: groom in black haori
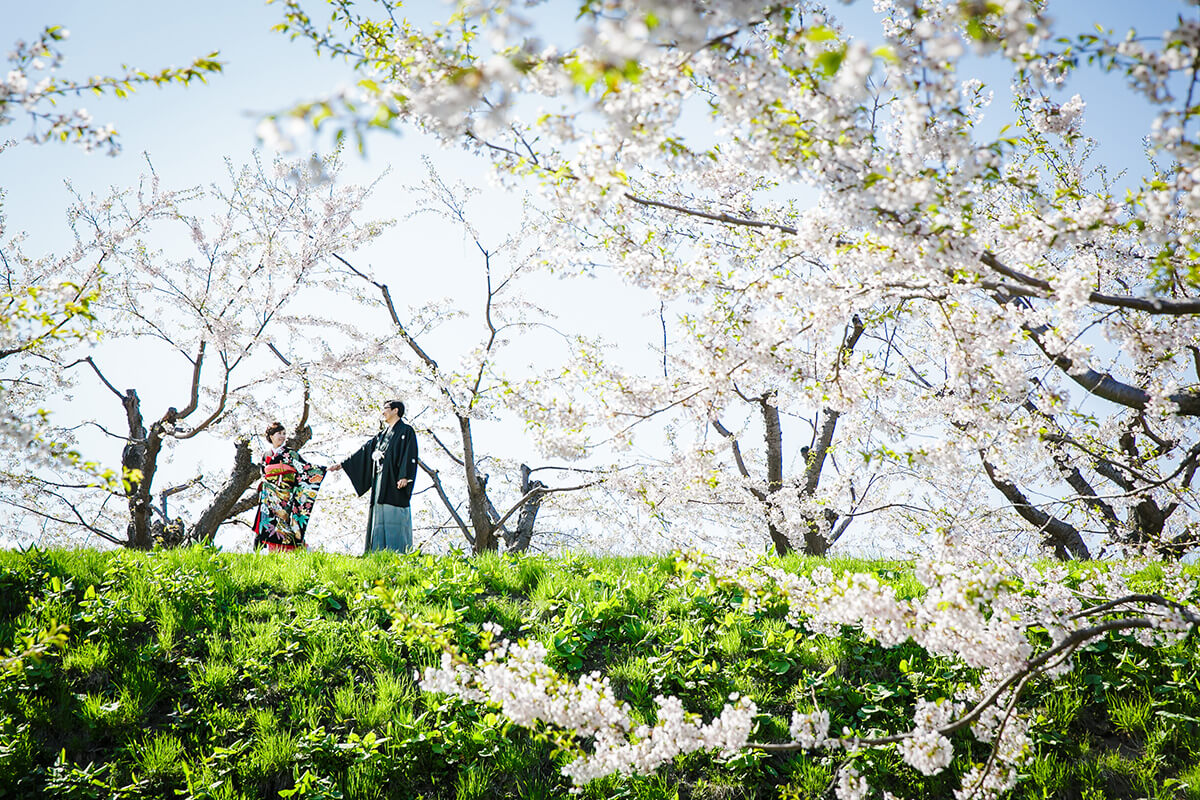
<point x="386" y="465"/>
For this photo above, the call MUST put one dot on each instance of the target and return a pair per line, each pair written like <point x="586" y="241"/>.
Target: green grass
<point x="197" y="674"/>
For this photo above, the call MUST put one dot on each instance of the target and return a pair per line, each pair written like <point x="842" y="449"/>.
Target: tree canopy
<point x="846" y="228"/>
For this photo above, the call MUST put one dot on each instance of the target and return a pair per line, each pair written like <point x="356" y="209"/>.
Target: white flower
<point x="928" y="752"/>
<point x="810" y="730"/>
<point x="16" y="81"/>
<point x="851" y="785"/>
<point x="1051" y="118"/>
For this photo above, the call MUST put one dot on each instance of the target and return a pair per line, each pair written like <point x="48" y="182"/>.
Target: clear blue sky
<point x="187" y="131"/>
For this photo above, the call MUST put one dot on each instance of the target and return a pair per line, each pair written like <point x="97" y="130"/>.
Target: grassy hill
<point x="199" y="674"/>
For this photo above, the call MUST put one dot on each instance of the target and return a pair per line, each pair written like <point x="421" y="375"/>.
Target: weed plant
<point x="196" y="674"/>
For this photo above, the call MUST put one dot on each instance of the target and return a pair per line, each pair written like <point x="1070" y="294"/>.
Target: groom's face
<point x="390" y="415"/>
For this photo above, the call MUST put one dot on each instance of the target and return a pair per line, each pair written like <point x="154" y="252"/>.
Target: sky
<point x="187" y="132"/>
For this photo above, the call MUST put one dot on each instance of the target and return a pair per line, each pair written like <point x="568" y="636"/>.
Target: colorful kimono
<point x="285" y="499"/>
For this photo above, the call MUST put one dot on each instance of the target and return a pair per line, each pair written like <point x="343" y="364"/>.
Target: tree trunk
<point x="485" y="534"/>
<point x="523" y="535"/>
<point x="225" y="504"/>
<point x="773" y="434"/>
<point x="140" y="454"/>
<point x="816" y="542"/>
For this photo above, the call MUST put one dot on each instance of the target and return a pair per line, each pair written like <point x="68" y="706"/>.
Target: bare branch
<point x="279" y="355"/>
<point x="197" y="365"/>
<point x="79" y="519"/>
<point x="214" y="416"/>
<point x="99" y="374"/>
<point x="540" y="492"/>
<point x="446" y="449"/>
<point x="437" y="485"/>
<point x="733" y="443"/>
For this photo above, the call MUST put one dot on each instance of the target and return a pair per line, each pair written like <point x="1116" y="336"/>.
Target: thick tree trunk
<point x="139" y="455"/>
<point x="816" y="542"/>
<point x="225" y="504"/>
<point x="1148" y="523"/>
<point x="523" y="535"/>
<point x="485" y="533"/>
<point x="773" y="434"/>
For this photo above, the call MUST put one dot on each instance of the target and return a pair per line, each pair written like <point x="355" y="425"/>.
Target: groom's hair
<point x="396" y="404"/>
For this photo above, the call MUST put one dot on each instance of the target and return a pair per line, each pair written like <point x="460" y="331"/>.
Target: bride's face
<point x="277" y="438"/>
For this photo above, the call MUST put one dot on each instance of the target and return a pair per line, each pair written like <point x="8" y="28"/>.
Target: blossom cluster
<point x="985" y="616"/>
<point x="514" y="678"/>
<point x="31" y="86"/>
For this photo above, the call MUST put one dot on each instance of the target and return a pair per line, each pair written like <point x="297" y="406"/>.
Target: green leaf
<point x="830" y="62"/>
<point x="821" y="33"/>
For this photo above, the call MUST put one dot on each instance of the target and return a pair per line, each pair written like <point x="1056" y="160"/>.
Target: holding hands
<point x="400" y="484"/>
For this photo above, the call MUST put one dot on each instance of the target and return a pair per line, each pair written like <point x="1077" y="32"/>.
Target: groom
<point x="386" y="465"/>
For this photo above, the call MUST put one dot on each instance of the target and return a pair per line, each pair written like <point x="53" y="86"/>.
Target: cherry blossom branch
<point x="538" y="492"/>
<point x="1040" y="288"/>
<point x="1032" y="668"/>
<point x="1073" y="475"/>
<point x="99" y="374"/>
<point x="1150" y="305"/>
<point x="404" y="334"/>
<point x="1104" y="385"/>
<point x="435" y="477"/>
<point x="1064" y="536"/>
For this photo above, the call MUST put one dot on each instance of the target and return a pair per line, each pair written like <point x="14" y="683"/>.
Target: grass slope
<point x="199" y="674"/>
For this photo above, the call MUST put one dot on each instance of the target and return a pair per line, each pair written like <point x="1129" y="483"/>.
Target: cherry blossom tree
<point x="37" y="314"/>
<point x="447" y="399"/>
<point x="39" y="310"/>
<point x="47" y="307"/>
<point x="1042" y="325"/>
<point x="201" y="283"/>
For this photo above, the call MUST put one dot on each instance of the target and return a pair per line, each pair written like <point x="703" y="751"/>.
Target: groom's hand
<point x="400" y="484"/>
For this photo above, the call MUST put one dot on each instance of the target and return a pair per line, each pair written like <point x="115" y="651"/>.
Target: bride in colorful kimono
<point x="286" y="494"/>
